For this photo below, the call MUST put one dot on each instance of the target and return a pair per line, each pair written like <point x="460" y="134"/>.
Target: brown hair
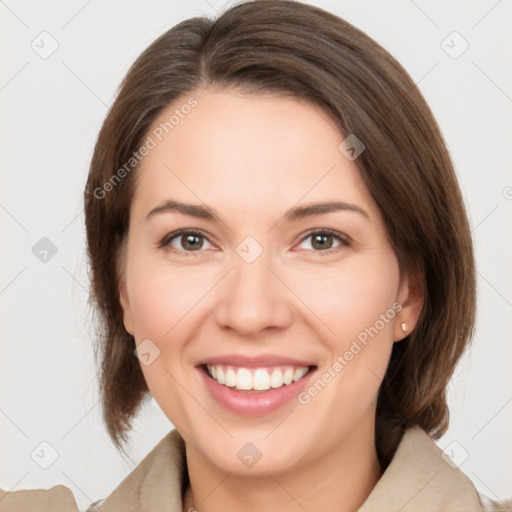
<point x="286" y="47"/>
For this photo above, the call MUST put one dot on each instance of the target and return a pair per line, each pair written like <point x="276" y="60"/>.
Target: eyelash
<point x="343" y="239"/>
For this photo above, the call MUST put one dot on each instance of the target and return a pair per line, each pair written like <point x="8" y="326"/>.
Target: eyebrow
<point x="294" y="214"/>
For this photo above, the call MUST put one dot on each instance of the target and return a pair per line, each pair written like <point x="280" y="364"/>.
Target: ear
<point x="411" y="297"/>
<point x="123" y="294"/>
<point x="125" y="305"/>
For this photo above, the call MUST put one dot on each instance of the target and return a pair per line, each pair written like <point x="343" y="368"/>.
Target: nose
<point x="253" y="299"/>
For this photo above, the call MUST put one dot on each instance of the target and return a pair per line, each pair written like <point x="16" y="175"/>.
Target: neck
<point x="340" y="479"/>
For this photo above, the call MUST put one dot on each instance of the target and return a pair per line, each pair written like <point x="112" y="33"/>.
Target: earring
<point x="404" y="326"/>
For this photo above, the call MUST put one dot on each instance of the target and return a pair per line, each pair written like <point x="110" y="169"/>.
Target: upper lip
<point x="260" y="361"/>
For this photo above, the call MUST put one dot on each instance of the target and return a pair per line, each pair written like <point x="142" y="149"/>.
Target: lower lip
<point x="256" y="403"/>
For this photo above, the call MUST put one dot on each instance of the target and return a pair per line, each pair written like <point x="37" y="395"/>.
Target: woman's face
<point x="293" y="308"/>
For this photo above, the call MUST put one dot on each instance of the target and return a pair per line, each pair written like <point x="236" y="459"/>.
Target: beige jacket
<point x="418" y="479"/>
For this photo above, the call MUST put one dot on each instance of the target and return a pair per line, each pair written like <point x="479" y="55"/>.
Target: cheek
<point x="165" y="301"/>
<point x="163" y="298"/>
<point x="351" y="297"/>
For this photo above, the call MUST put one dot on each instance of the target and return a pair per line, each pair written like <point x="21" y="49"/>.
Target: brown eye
<point x="188" y="241"/>
<point x="191" y="242"/>
<point x="325" y="239"/>
<point x="322" y="241"/>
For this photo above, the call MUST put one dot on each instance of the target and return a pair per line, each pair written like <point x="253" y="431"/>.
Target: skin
<point x="252" y="158"/>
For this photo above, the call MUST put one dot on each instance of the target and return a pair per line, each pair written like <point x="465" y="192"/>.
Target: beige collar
<point x="418" y="479"/>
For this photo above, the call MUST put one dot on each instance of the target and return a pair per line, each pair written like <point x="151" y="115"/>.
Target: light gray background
<point x="52" y="110"/>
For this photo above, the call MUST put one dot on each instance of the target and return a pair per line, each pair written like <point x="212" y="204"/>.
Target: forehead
<point x="243" y="151"/>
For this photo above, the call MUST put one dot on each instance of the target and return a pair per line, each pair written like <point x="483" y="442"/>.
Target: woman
<point x="276" y="232"/>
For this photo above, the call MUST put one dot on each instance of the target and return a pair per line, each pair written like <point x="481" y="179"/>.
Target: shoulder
<point x="155" y="484"/>
<point x="422" y="477"/>
<point x="57" y="499"/>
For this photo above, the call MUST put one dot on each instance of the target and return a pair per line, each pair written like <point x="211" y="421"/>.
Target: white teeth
<point x="260" y="379"/>
<point x="299" y="373"/>
<point x="230" y="376"/>
<point x="276" y="378"/>
<point x="288" y="376"/>
<point x="243" y="379"/>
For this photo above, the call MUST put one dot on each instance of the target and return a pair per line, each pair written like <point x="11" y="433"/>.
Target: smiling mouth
<point x="256" y="380"/>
